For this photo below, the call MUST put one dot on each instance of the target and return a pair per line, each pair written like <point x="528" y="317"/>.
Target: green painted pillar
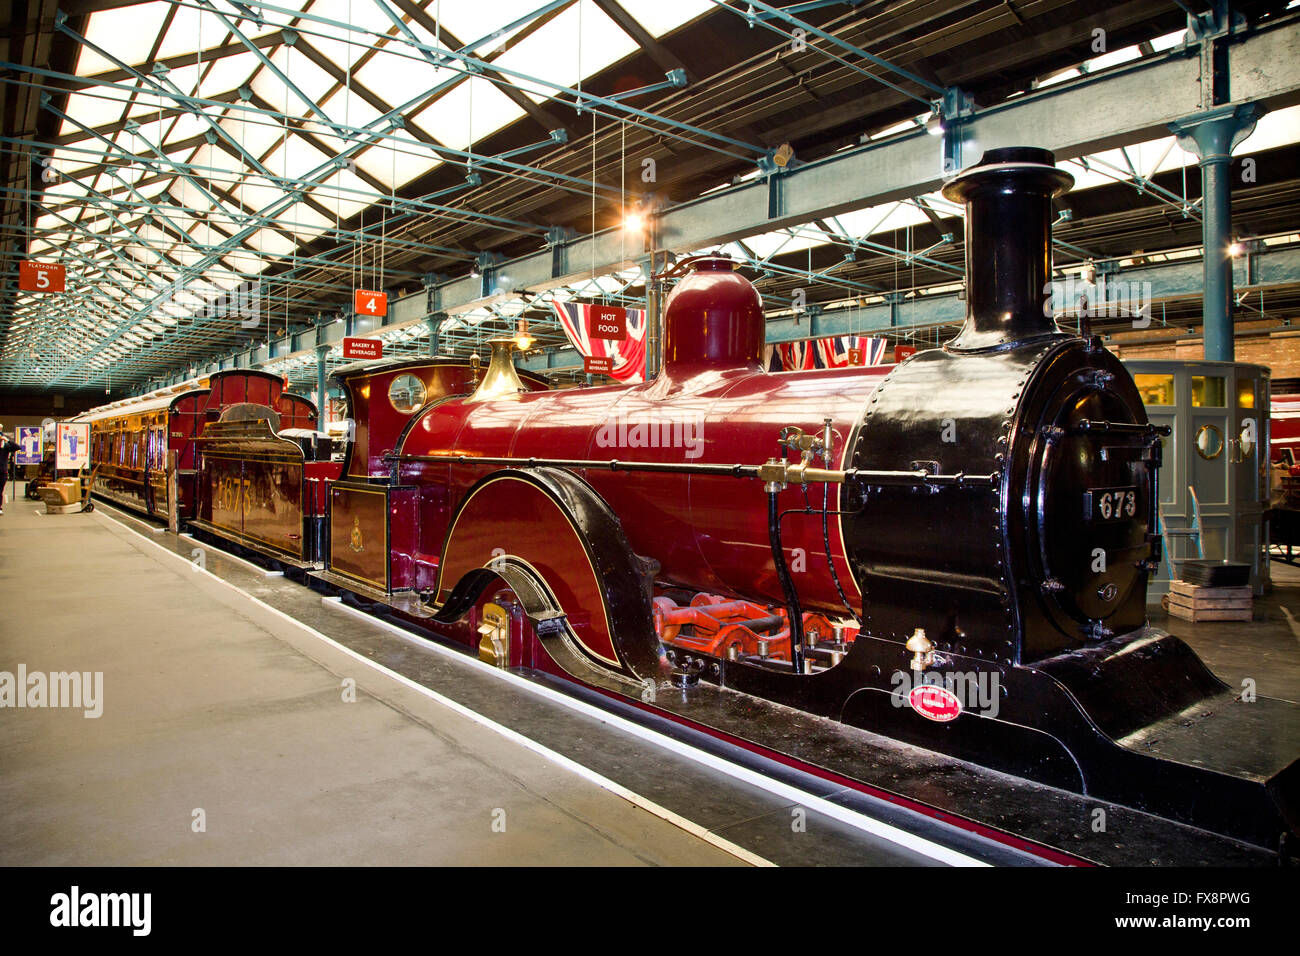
<point x="1211" y="136"/>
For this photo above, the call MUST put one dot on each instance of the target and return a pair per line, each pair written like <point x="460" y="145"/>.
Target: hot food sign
<point x="607" y="322"/>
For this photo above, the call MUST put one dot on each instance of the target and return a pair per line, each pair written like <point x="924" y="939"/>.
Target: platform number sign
<point x="29" y="445"/>
<point x="41" y="276"/>
<point x="856" y="356"/>
<point x="367" y="302"/>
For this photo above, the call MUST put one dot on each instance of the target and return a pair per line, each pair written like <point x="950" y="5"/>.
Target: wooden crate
<point x="1191" y="602"/>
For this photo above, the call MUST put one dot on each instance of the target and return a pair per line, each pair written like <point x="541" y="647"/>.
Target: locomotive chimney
<point x="713" y="319"/>
<point x="501" y="378"/>
<point x="1008" y="197"/>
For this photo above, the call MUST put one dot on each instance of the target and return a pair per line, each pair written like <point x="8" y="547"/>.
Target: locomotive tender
<point x="952" y="552"/>
<point x="144" y="451"/>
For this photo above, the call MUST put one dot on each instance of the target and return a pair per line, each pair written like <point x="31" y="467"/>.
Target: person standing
<point x="7" y="448"/>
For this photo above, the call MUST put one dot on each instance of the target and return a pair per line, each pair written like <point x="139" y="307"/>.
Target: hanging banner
<point x="627" y="355"/>
<point x="72" y="452"/>
<point x="363" y="348"/>
<point x="902" y="352"/>
<point x="597" y="365"/>
<point x="836" y="351"/>
<point x="41" y="276"/>
<point x="367" y="302"/>
<point x="29" y="445"/>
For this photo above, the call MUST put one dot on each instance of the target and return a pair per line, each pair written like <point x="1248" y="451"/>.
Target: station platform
<point x="226" y="735"/>
<point x="209" y="707"/>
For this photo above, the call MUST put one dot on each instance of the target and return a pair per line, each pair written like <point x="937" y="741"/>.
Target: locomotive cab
<point x="376" y="544"/>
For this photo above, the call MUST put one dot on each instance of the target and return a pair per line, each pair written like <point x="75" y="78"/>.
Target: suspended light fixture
<point x="522" y="337"/>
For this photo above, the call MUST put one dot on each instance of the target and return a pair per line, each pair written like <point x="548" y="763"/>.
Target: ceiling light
<point x="522" y="338"/>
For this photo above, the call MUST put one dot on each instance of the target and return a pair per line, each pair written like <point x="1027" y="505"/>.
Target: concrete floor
<point x="208" y="706"/>
<point x="1267" y="650"/>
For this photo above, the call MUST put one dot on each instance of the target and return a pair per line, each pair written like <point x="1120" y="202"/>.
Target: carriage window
<point x="1209" y="442"/>
<point x="406" y="393"/>
<point x="1245" y="393"/>
<point x="1209" y="391"/>
<point x="1155" y="389"/>
<point x="1246" y="440"/>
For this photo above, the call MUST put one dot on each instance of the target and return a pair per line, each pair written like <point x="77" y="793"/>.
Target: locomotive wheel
<point x="549" y="525"/>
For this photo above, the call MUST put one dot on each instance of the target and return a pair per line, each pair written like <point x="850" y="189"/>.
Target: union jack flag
<point x="832" y="352"/>
<point x="628" y="355"/>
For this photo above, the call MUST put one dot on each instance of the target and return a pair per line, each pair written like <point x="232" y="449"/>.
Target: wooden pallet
<point x="1192" y="602"/>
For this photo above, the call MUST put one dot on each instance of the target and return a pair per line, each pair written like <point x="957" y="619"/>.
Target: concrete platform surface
<point x="220" y="743"/>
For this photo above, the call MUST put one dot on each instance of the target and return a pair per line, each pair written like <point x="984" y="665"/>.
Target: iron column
<point x="1211" y="136"/>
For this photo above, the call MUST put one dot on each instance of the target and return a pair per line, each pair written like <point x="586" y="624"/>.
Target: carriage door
<point x="1219" y="415"/>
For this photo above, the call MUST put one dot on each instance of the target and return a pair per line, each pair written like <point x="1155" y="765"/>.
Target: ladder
<point x="1192" y="531"/>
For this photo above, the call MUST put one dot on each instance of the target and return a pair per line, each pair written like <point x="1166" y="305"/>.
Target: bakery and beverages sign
<point x="363" y="348"/>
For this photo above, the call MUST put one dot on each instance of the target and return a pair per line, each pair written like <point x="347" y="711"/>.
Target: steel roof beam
<point x="664" y="58"/>
<point x="311" y="104"/>
<point x="540" y="114"/>
<point x="74" y="83"/>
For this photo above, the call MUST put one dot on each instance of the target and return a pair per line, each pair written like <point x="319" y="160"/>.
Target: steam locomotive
<point x="952" y="552"/>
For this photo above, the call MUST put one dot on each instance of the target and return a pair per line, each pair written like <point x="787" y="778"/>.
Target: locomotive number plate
<point x="1110" y="504"/>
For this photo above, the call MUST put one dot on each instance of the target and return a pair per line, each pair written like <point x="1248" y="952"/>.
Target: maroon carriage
<point x="143" y="449"/>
